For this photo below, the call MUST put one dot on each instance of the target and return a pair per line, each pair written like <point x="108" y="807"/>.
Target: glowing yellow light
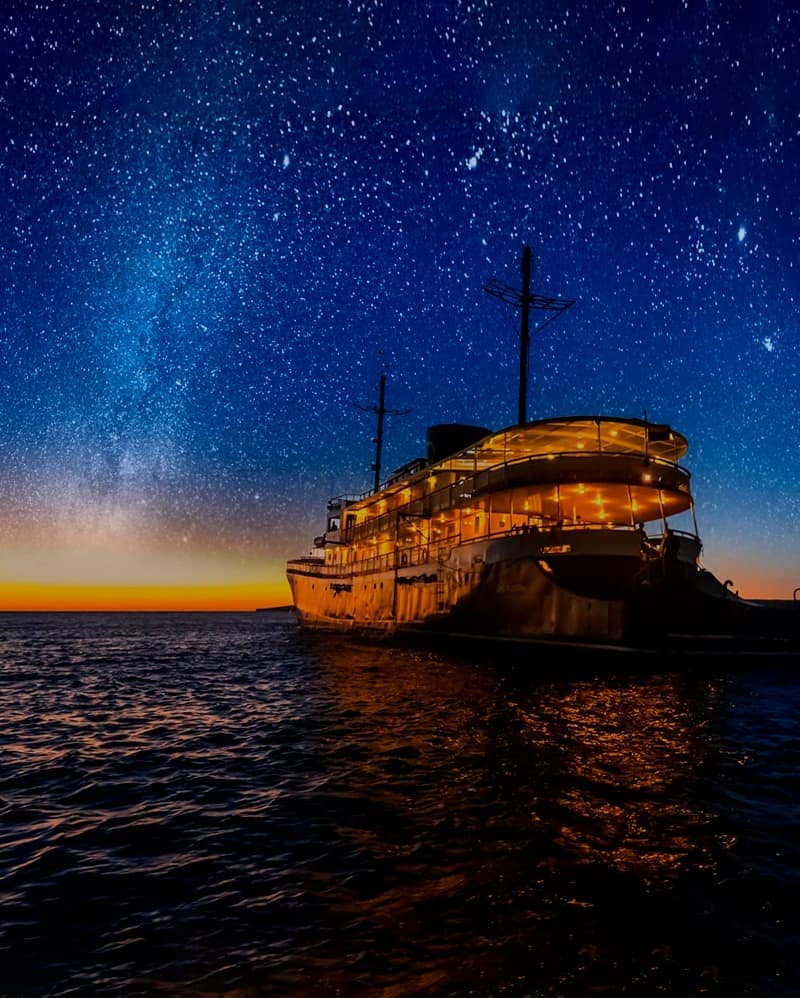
<point x="615" y="433"/>
<point x="647" y="477"/>
<point x="581" y="489"/>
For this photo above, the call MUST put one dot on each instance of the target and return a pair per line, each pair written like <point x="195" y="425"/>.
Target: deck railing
<point x="535" y="469"/>
<point x="439" y="549"/>
<point x="566" y="468"/>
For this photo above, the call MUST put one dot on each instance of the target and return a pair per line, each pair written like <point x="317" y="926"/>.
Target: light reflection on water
<point x="216" y="802"/>
<point x="613" y="759"/>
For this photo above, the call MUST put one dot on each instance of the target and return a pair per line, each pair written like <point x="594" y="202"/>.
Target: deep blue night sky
<point x="221" y="220"/>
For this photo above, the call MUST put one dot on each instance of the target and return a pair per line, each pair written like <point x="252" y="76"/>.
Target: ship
<point x="558" y="530"/>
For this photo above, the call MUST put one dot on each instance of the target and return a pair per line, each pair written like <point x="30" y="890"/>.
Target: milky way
<point x="222" y="221"/>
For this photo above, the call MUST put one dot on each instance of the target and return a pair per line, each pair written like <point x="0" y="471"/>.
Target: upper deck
<point x="576" y="448"/>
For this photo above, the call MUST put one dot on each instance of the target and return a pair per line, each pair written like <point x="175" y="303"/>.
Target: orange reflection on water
<point x="629" y="752"/>
<point x="596" y="772"/>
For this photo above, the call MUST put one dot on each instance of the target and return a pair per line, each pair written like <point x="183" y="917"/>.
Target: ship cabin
<point x="580" y="484"/>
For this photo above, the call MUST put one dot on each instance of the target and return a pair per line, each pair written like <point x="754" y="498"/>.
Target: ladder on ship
<point x="441" y="588"/>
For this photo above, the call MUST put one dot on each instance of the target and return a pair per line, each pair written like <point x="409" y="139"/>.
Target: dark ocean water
<point x="208" y="804"/>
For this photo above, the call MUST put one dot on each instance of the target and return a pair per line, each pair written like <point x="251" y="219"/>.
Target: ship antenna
<point x="525" y="301"/>
<point x="380" y="411"/>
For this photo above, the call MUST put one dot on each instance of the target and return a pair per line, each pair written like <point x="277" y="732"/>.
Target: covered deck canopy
<point x="600" y="486"/>
<point x="569" y="435"/>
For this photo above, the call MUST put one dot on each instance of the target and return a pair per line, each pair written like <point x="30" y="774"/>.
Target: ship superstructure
<point x="560" y="529"/>
<point x="538" y="529"/>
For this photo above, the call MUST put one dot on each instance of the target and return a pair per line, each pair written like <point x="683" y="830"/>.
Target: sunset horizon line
<point x="44" y="598"/>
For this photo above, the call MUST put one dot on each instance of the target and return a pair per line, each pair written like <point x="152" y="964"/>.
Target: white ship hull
<point x="492" y="587"/>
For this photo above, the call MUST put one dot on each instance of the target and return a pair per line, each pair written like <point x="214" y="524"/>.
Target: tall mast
<point x="525" y="301"/>
<point x="524" y="336"/>
<point x="380" y="411"/>
<point x="379" y="438"/>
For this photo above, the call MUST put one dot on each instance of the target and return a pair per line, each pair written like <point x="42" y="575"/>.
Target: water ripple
<point x="203" y="804"/>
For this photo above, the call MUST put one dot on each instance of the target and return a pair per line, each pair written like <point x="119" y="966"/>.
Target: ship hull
<point x="500" y="590"/>
<point x="485" y="588"/>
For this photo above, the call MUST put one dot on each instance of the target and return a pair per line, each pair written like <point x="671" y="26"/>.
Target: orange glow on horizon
<point x="129" y="573"/>
<point x="753" y="583"/>
<point x="44" y="597"/>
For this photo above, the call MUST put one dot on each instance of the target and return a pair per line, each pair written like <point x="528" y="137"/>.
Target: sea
<point x="220" y="804"/>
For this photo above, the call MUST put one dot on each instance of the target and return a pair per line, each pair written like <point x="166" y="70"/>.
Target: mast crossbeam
<point x="512" y="296"/>
<point x="525" y="300"/>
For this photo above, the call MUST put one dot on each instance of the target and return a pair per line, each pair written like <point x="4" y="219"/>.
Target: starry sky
<point x="222" y="220"/>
